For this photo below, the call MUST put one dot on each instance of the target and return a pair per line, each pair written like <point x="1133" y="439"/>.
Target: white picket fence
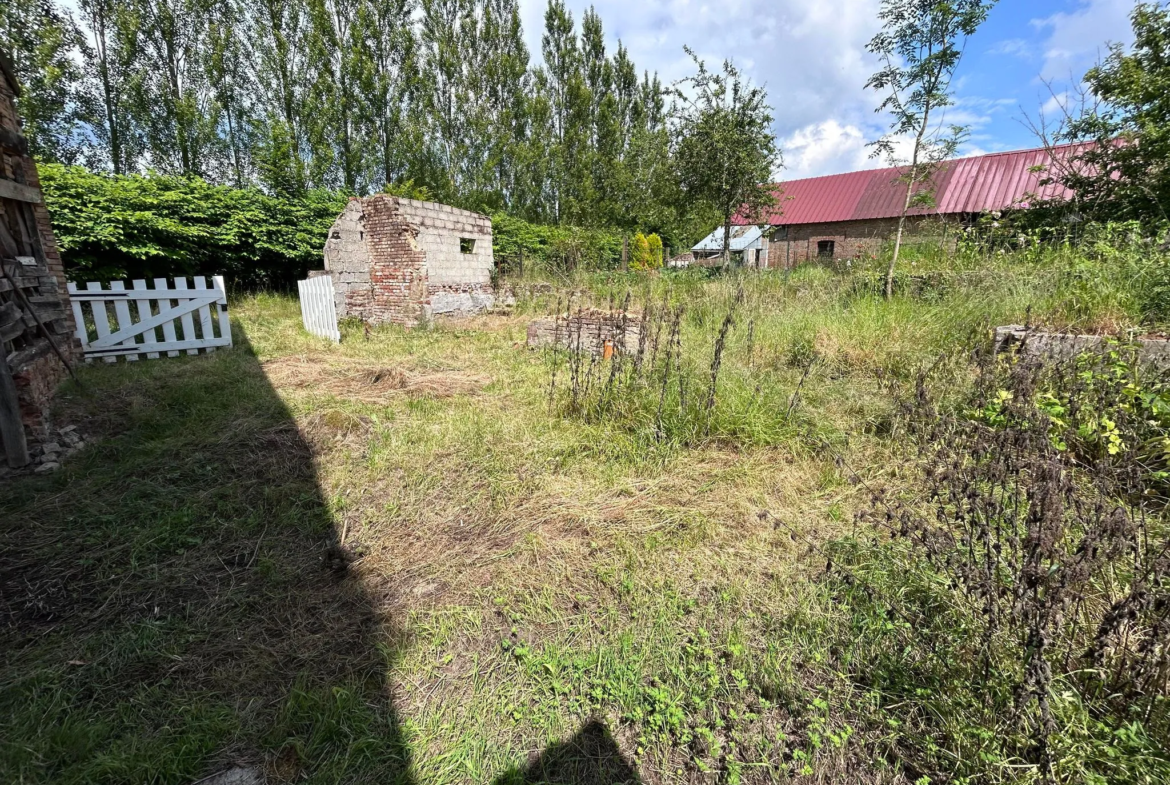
<point x="167" y="318"/>
<point x="318" y="311"/>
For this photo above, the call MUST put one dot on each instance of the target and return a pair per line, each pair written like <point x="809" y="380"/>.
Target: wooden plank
<point x="182" y="311"/>
<point x="9" y="313"/>
<point x="13" y="142"/>
<point x="19" y="192"/>
<point x="11" y="427"/>
<point x="144" y="311"/>
<point x="78" y="316"/>
<point x="185" y="320"/>
<point x="131" y="294"/>
<point x="125" y="323"/>
<point x="205" y="327"/>
<point x="161" y="346"/>
<point x="101" y="319"/>
<point x="225" y="325"/>
<point x="168" y="327"/>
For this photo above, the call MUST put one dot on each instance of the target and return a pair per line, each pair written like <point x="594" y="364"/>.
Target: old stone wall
<point x="403" y="261"/>
<point x="35" y="279"/>
<point x="347" y="258"/>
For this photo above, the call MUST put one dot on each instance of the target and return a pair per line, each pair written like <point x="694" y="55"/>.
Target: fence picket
<point x="185" y="320"/>
<point x="318" y="313"/>
<point x="144" y="311"/>
<point x="122" y="313"/>
<point x="154" y="314"/>
<point x="101" y="319"/>
<point x="205" y="311"/>
<point x="169" y="327"/>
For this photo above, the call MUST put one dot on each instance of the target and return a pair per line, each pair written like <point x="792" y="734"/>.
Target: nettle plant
<point x="1019" y="612"/>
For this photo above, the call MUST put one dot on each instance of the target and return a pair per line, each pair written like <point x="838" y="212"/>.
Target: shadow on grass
<point x="590" y="757"/>
<point x="175" y="601"/>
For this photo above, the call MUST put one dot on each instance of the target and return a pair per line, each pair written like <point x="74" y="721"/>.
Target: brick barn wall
<point x="854" y="239"/>
<point x="36" y="370"/>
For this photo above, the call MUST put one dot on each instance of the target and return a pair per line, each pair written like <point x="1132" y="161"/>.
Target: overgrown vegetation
<point x="413" y="557"/>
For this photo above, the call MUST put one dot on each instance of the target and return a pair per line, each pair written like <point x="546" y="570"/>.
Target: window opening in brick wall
<point x="466" y="245"/>
<point x="825" y="248"/>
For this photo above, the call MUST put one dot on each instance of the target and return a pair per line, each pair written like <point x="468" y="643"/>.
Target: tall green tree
<point x="109" y="59"/>
<point x="276" y="34"/>
<point x="229" y="77"/>
<point x="387" y="63"/>
<point x="1122" y="174"/>
<point x="172" y="99"/>
<point x="335" y="54"/>
<point x="506" y="82"/>
<point x="920" y="46"/>
<point x="42" y="38"/>
<point x="724" y="149"/>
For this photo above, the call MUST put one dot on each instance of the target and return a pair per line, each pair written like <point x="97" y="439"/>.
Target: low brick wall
<point x="587" y="331"/>
<point x="1065" y="346"/>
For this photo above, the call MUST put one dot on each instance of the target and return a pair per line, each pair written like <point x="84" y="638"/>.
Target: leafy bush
<point x="1014" y="626"/>
<point x="130" y="226"/>
<point x="553" y="247"/>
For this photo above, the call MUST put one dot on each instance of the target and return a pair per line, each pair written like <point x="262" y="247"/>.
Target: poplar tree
<point x="387" y="65"/>
<point x="276" y="36"/>
<point x="334" y="59"/>
<point x="108" y="57"/>
<point x="170" y="90"/>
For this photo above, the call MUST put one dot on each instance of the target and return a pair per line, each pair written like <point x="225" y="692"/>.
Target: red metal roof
<point x="965" y="185"/>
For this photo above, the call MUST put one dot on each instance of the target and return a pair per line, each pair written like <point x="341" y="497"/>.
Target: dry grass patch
<point x="366" y="382"/>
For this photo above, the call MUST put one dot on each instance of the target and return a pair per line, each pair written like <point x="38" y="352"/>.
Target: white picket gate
<point x="318" y="311"/>
<point x="170" y="319"/>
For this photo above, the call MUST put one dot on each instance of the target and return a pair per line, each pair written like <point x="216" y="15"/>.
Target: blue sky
<point x="811" y="56"/>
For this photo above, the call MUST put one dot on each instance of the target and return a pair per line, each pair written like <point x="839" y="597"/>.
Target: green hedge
<point x="112" y="227"/>
<point x="554" y="247"/>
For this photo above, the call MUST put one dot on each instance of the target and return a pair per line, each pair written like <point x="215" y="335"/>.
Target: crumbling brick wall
<point x="403" y="261"/>
<point x="35" y="275"/>
<point x="587" y="331"/>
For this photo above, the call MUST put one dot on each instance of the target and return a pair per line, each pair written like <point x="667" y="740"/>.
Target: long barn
<point x="844" y="216"/>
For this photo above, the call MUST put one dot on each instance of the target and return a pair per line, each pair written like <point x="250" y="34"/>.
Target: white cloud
<point x="810" y="54"/>
<point x="825" y="148"/>
<point x="1077" y="39"/>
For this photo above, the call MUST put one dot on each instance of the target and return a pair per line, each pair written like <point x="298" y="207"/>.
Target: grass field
<point x="398" y="560"/>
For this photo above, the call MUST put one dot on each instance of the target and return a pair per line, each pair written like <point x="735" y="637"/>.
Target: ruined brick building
<point x="402" y="261"/>
<point x="35" y="314"/>
<point x="845" y="216"/>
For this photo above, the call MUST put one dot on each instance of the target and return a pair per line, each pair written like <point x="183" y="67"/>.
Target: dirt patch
<point x="368" y="383"/>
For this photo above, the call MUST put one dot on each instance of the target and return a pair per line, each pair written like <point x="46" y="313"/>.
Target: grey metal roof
<point x="742" y="238"/>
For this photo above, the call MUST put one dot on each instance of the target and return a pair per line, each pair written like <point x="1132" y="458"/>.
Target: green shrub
<point x="553" y="247"/>
<point x="640" y="257"/>
<point x="655" y="244"/>
<point x="131" y="226"/>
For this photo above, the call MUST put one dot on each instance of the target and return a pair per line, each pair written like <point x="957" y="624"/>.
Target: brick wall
<point x="853" y="239"/>
<point x="401" y="261"/>
<point x="587" y="331"/>
<point x="41" y="276"/>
